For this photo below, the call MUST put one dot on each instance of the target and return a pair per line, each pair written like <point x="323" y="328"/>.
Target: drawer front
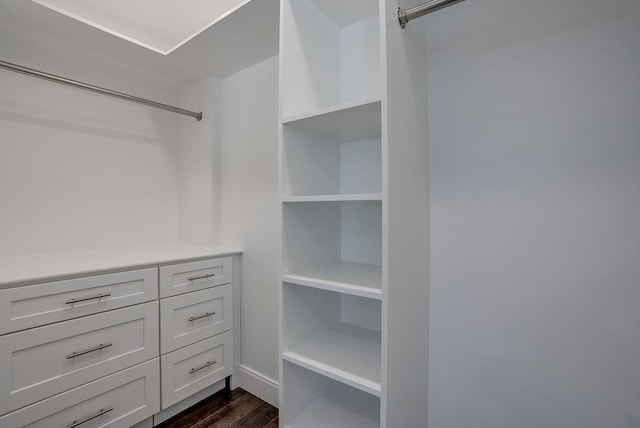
<point x="191" y="369"/>
<point x="74" y="352"/>
<point x="186" y="277"/>
<point x="116" y="401"/>
<point x="40" y="304"/>
<point x="188" y="318"/>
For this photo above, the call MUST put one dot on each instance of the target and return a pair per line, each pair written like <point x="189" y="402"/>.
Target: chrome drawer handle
<point x="84" y="299"/>
<point x="204" y="366"/>
<point x="86" y="351"/>
<point x="79" y="422"/>
<point x="205" y="315"/>
<point x="207" y="276"/>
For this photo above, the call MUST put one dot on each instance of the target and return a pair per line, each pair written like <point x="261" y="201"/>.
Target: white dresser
<point x="111" y="338"/>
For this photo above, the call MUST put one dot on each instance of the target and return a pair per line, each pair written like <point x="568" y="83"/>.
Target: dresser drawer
<point x="40" y="304"/>
<point x="188" y="318"/>
<point x="116" y="401"/>
<point x="186" y="277"/>
<point x="191" y="369"/>
<point x="38" y="363"/>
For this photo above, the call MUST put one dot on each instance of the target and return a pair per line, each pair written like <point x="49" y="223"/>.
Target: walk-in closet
<point x="320" y="213"/>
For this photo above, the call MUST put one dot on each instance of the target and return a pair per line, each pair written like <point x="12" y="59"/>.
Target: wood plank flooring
<point x="236" y="409"/>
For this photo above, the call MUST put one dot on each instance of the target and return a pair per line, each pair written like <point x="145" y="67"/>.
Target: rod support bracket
<point x="402" y="17"/>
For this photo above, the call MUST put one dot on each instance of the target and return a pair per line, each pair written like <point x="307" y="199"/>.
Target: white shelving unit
<point x="354" y="195"/>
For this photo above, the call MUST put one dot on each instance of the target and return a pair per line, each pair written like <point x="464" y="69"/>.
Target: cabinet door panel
<point x="188" y="318"/>
<point x="41" y="362"/>
<point x="191" y="369"/>
<point x="185" y="277"/>
<point x="46" y="303"/>
<point x="116" y="401"/>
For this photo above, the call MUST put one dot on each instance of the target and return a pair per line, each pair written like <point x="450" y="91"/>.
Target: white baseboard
<point x="257" y="384"/>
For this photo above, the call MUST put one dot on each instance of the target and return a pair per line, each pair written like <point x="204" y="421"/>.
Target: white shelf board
<point x="334" y="198"/>
<point x="328" y="413"/>
<point x="348" y="278"/>
<point x="346" y="353"/>
<point x="351" y="121"/>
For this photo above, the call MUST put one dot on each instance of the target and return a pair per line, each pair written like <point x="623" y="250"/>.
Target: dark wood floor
<point x="236" y="409"/>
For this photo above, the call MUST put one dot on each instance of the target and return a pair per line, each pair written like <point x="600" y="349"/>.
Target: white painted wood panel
<point x="316" y="401"/>
<point x="406" y="213"/>
<point x="74" y="352"/>
<point x="349" y="278"/>
<point x="190" y="369"/>
<point x="324" y="60"/>
<point x="319" y="235"/>
<point x="333" y="152"/>
<point x="337" y="335"/>
<point x="132" y="394"/>
<point x="345" y="353"/>
<point x="185" y="277"/>
<point x="40" y="304"/>
<point x="188" y="318"/>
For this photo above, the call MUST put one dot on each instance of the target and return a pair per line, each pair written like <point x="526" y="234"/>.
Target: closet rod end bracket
<point x="402" y="17"/>
<point x="198" y="116"/>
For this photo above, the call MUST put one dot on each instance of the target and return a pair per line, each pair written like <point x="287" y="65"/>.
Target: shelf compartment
<point x="334" y="153"/>
<point x="350" y="278"/>
<point x="357" y="120"/>
<point x="313" y="401"/>
<point x="348" y="354"/>
<point x="320" y="236"/>
<point x="333" y="53"/>
<point x="334" y="334"/>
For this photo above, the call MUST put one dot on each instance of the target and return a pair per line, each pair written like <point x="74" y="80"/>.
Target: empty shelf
<point x="348" y="354"/>
<point x="350" y="121"/>
<point x="328" y="413"/>
<point x="348" y="278"/>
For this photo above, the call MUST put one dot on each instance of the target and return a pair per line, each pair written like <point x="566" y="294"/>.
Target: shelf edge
<point x="328" y="285"/>
<point x="357" y="382"/>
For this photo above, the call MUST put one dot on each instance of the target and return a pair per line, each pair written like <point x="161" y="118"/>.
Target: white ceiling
<point x="159" y="25"/>
<point x="236" y="40"/>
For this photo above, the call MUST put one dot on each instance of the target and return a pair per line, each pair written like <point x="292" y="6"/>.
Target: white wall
<point x="534" y="113"/>
<point x="251" y="213"/>
<point x="199" y="164"/>
<point x="80" y="170"/>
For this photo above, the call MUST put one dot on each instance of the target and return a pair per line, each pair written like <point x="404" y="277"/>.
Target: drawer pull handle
<point x="204" y="366"/>
<point x="87" y="351"/>
<point x="84" y="299"/>
<point x="207" y="276"/>
<point x="205" y="315"/>
<point x="89" y="418"/>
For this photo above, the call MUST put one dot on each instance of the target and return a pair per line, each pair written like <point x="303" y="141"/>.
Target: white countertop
<point x="55" y="266"/>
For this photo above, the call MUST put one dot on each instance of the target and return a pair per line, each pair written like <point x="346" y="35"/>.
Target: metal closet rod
<point x="406" y="15"/>
<point x="74" y="83"/>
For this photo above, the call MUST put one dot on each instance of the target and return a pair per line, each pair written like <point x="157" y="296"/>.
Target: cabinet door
<point x="116" y="401"/>
<point x="38" y="363"/>
<point x="40" y="304"/>
<point x="191" y="369"/>
<point x="188" y="318"/>
<point x="186" y="277"/>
